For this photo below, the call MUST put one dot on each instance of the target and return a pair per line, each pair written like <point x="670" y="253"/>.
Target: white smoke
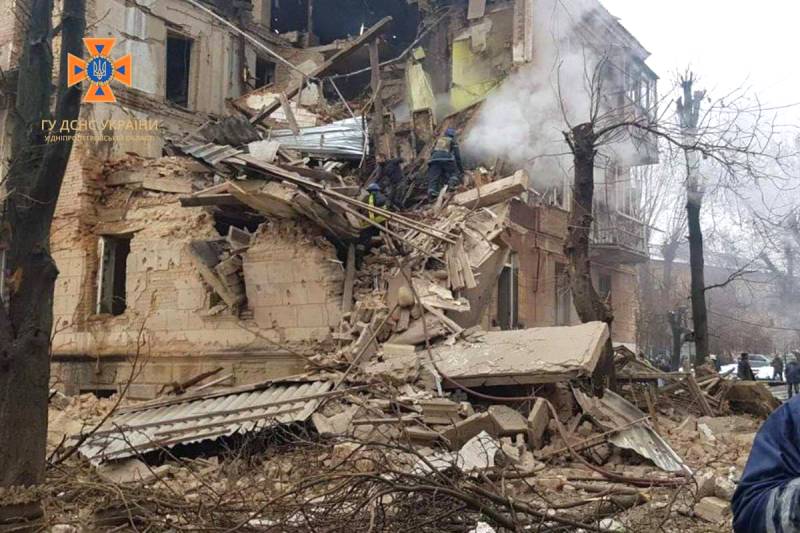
<point x="522" y="122"/>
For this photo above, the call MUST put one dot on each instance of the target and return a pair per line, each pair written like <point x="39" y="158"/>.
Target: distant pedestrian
<point x="715" y="362"/>
<point x="792" y="377"/>
<point x="777" y="368"/>
<point x="743" y="369"/>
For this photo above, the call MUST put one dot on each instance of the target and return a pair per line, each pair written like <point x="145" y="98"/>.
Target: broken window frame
<point x="189" y="65"/>
<point x="562" y="310"/>
<point x="605" y="286"/>
<point x="114" y="304"/>
<point x="511" y="271"/>
<point x="270" y="80"/>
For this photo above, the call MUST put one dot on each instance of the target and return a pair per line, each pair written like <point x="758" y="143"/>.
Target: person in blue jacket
<point x="767" y="499"/>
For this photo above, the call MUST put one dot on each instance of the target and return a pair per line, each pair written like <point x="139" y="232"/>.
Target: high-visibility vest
<point x="376" y="218"/>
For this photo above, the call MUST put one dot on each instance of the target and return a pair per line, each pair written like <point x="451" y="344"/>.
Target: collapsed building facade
<point x="208" y="216"/>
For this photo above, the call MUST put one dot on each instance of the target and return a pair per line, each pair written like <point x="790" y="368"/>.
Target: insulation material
<point x="419" y="88"/>
<point x="536" y="355"/>
<point x="473" y="71"/>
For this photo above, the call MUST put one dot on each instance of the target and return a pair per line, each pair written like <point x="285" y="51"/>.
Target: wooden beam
<point x="287" y="110"/>
<point x="209" y="199"/>
<point x="375" y="84"/>
<point x="349" y="279"/>
<point x="321" y="70"/>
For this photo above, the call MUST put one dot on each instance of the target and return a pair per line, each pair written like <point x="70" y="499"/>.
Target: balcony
<point x="617" y="238"/>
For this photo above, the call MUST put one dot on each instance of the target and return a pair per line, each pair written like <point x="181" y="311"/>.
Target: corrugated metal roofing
<point x="343" y="138"/>
<point x="210" y="153"/>
<point x="206" y="418"/>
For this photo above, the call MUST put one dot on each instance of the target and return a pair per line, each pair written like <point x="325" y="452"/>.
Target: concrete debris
<point x="713" y="509"/>
<point x="536" y="355"/>
<point x="509" y="421"/>
<point x="464" y="430"/>
<point x="495" y="192"/>
<point x="131" y="471"/>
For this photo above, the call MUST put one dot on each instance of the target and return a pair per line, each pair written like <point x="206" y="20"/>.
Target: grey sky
<point x="728" y="42"/>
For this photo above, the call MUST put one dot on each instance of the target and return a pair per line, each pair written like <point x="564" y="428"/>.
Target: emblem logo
<point x="99" y="69"/>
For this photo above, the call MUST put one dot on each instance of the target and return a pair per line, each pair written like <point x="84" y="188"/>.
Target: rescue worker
<point x="369" y="231"/>
<point x="743" y="369"/>
<point x="767" y="498"/>
<point x="392" y="181"/>
<point x="777" y="368"/>
<point x="444" y="166"/>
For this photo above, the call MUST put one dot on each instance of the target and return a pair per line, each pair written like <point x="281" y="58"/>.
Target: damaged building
<point x="209" y="218"/>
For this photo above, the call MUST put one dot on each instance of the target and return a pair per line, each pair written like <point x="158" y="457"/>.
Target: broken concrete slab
<point x="495" y="192"/>
<point x="478" y="453"/>
<point x="536" y="355"/>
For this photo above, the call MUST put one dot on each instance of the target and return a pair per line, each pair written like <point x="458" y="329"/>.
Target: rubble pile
<point x="397" y="456"/>
<point x="412" y="413"/>
<point x="412" y="416"/>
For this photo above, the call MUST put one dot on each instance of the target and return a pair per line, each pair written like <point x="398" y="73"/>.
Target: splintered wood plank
<point x="699" y="396"/>
<point x="295" y="88"/>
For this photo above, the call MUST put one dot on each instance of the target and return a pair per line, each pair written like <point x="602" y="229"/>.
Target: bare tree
<point x="688" y="111"/>
<point x="33" y="184"/>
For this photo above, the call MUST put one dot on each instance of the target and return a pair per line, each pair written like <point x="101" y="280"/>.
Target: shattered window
<point x="563" y="304"/>
<point x="112" y="274"/>
<point x="179" y="52"/>
<point x="265" y="72"/>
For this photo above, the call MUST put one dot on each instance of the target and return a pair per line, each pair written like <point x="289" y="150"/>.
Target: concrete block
<point x="538" y="419"/>
<point x="713" y="509"/>
<point x="509" y="421"/>
<point x="459" y="433"/>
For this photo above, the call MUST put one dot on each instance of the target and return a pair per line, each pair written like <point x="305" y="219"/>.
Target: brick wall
<point x="293" y="281"/>
<point x="538" y="242"/>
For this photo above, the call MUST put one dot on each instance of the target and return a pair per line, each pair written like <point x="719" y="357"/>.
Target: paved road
<point x="781" y="392"/>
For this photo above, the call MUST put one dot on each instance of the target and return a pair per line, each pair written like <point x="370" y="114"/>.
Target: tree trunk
<point x="698" y="286"/>
<point x="588" y="304"/>
<point x="675" y="319"/>
<point x="34" y="180"/>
